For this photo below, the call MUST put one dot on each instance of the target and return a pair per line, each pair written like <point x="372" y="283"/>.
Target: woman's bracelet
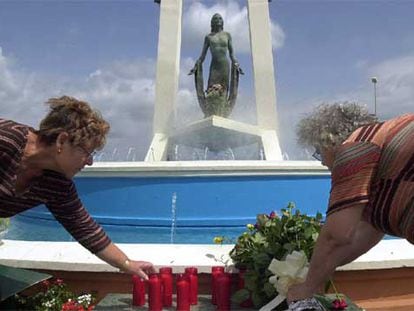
<point x="126" y="264"/>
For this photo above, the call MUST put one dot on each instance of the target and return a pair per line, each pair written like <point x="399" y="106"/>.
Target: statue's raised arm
<point x="222" y="85"/>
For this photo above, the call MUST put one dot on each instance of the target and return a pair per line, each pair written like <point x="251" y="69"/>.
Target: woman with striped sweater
<point x="372" y="192"/>
<point x="37" y="167"/>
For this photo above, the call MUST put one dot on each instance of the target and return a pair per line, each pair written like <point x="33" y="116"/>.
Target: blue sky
<point x="105" y="52"/>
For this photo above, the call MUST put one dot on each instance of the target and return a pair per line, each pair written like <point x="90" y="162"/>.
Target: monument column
<point x="167" y="76"/>
<point x="264" y="79"/>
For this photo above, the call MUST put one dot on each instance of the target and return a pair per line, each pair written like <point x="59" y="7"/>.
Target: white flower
<point x="292" y="270"/>
<point x="49" y="304"/>
<point x="87" y="298"/>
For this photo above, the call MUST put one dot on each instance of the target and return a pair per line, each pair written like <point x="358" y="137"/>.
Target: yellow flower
<point x="218" y="240"/>
<point x="250" y="226"/>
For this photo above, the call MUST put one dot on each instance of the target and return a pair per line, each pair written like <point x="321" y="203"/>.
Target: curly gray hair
<point x="330" y="125"/>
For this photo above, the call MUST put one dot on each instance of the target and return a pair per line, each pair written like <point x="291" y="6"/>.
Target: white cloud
<point x="196" y="24"/>
<point x="122" y="91"/>
<point x="18" y="101"/>
<point x="395" y="87"/>
<point x="395" y="96"/>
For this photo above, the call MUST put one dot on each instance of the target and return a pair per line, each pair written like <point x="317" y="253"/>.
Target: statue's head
<point x="217" y="22"/>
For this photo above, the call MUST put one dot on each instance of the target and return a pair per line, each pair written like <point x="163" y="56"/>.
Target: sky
<point x="105" y="52"/>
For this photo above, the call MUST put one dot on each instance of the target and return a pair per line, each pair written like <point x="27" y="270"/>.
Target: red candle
<point x="240" y="284"/>
<point x="183" y="293"/>
<point x="138" y="291"/>
<point x="215" y="272"/>
<point x="192" y="274"/>
<point x="154" y="293"/>
<point x="167" y="285"/>
<point x="223" y="291"/>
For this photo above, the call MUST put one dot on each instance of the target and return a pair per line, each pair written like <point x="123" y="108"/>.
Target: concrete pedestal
<point x="216" y="134"/>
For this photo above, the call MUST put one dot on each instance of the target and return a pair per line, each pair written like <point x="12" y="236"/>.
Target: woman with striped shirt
<point x="372" y="192"/>
<point x="37" y="167"/>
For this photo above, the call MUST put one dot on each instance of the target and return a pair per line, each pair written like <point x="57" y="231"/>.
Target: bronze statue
<point x="221" y="93"/>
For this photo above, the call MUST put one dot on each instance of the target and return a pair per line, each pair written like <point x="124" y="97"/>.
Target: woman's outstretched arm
<point x="117" y="258"/>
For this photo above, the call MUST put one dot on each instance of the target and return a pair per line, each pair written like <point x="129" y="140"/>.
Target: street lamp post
<point x="374" y="80"/>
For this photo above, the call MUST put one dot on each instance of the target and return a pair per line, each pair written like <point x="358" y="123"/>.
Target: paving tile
<point x="123" y="302"/>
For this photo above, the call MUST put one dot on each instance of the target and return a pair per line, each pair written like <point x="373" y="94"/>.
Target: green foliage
<point x="271" y="237"/>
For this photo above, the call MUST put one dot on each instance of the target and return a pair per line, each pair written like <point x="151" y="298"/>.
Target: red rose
<point x="339" y="304"/>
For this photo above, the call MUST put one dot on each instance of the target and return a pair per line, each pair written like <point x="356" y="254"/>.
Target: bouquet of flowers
<point x="275" y="253"/>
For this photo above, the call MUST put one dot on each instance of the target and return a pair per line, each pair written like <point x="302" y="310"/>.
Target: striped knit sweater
<point x="375" y="167"/>
<point x="52" y="189"/>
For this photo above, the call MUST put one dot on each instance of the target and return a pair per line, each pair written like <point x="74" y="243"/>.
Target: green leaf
<point x="240" y="296"/>
<point x="262" y="260"/>
<point x="269" y="289"/>
<point x="257" y="299"/>
<point x="308" y="232"/>
<point x="289" y="247"/>
<point x="259" y="238"/>
<point x="250" y="281"/>
<point x="319" y="216"/>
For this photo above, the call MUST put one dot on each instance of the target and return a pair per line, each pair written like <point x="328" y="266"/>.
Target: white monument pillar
<point x="264" y="79"/>
<point x="214" y="132"/>
<point x="167" y="76"/>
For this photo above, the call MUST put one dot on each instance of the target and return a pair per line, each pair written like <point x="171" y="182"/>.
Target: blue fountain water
<point x="137" y="208"/>
<point x="173" y="217"/>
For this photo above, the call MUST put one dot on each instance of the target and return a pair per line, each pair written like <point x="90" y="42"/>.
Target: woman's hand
<point x="117" y="258"/>
<point x="299" y="292"/>
<point x="140" y="268"/>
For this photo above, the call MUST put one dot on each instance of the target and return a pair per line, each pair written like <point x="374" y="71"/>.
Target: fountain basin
<point x="210" y="195"/>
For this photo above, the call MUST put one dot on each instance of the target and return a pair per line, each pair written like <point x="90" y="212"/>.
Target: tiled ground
<point x="123" y="302"/>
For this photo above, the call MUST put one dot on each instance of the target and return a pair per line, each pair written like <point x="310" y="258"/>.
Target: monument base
<point x="217" y="134"/>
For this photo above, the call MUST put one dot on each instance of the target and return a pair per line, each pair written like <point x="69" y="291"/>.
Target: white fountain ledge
<point x="71" y="256"/>
<point x="204" y="168"/>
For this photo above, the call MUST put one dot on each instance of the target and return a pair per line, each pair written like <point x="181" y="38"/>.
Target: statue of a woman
<point x="219" y="43"/>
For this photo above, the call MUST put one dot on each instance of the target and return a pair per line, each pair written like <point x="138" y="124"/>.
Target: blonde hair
<point x="330" y="125"/>
<point x="75" y="117"/>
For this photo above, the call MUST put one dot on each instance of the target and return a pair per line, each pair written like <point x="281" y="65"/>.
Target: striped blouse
<point x="375" y="167"/>
<point x="52" y="189"/>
